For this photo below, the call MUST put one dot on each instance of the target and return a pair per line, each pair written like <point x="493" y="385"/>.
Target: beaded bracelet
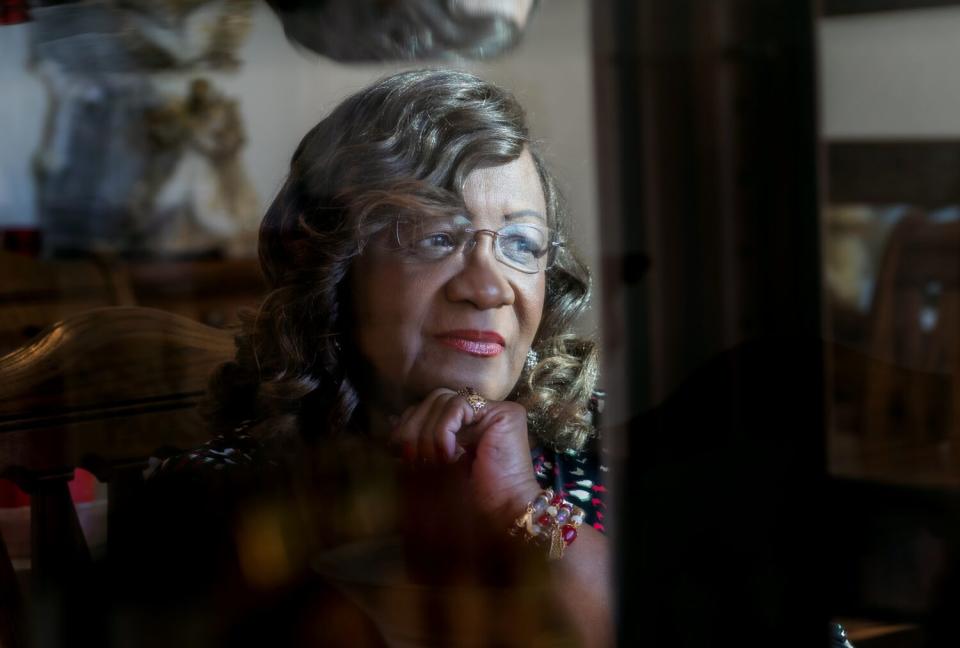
<point x="550" y="520"/>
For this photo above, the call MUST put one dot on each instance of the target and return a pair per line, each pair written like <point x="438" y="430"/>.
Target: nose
<point x="481" y="281"/>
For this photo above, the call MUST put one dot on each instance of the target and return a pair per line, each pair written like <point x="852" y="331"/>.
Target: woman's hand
<point x="493" y="448"/>
<point x="492" y="443"/>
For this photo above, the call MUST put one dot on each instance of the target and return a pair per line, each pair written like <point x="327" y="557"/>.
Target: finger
<point x="407" y="433"/>
<point x="396" y="439"/>
<point x="447" y="427"/>
<point x="503" y="423"/>
<point x="428" y="442"/>
<point x="403" y="436"/>
<point x="470" y="435"/>
<point x="474" y="428"/>
<point x="396" y="422"/>
<point x="402" y="420"/>
<point x="456" y="417"/>
<point x="407" y="413"/>
<point x="493" y="425"/>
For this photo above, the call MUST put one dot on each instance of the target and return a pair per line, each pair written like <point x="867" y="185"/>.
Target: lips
<point x="484" y="344"/>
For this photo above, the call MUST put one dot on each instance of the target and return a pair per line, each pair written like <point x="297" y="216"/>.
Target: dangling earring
<point x="532" y="360"/>
<point x="533" y="417"/>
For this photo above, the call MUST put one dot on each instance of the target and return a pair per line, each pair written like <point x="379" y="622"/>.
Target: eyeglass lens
<point x="524" y="246"/>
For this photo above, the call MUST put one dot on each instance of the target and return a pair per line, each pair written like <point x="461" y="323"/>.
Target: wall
<point x="891" y="74"/>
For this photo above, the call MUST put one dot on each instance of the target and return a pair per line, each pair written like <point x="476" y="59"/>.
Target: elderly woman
<point x="414" y="374"/>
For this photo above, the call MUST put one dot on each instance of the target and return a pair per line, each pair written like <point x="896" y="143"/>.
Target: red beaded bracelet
<point x="551" y="520"/>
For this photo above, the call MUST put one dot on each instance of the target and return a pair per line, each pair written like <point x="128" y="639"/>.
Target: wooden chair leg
<point x="58" y="547"/>
<point x="12" y="632"/>
<point x="122" y="493"/>
<point x="60" y="566"/>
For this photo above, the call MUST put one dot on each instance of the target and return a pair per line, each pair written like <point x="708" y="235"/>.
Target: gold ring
<point x="475" y="400"/>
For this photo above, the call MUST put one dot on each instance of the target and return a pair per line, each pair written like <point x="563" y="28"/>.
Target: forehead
<point x="492" y="192"/>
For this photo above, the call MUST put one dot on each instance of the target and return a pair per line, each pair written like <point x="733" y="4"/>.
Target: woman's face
<point x="467" y="320"/>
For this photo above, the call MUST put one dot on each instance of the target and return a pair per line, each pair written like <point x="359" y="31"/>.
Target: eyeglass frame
<point x="553" y="246"/>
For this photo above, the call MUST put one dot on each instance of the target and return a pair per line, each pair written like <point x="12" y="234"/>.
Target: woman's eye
<point x="438" y="241"/>
<point x="518" y="246"/>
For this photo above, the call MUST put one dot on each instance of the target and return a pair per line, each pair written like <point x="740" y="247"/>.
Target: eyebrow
<point x="522" y="213"/>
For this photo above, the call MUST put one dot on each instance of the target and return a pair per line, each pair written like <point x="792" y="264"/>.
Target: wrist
<point x="513" y="501"/>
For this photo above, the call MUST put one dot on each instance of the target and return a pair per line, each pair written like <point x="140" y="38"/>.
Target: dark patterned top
<point x="578" y="477"/>
<point x="238" y="450"/>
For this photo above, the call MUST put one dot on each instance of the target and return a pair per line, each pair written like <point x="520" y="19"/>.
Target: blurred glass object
<point x="91" y="159"/>
<point x="406" y="30"/>
<point x="122" y="168"/>
<point x="195" y="196"/>
<point x="141" y="36"/>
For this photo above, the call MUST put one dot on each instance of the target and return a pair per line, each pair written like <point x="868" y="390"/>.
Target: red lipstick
<point x="478" y="343"/>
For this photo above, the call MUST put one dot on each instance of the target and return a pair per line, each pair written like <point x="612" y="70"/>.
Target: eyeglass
<point x="525" y="247"/>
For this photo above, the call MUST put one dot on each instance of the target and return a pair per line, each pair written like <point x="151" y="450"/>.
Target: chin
<point x="492" y="385"/>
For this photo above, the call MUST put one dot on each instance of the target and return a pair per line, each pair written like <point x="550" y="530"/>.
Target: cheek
<point x="387" y="312"/>
<point x="531" y="309"/>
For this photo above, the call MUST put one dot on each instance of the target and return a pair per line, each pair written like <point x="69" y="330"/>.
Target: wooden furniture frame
<point x="102" y="390"/>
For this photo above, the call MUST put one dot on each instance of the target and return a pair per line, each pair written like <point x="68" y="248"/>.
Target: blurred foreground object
<point x="385" y="30"/>
<point x="101" y="390"/>
<point x="13" y="12"/>
<point x="122" y="168"/>
<point x="196" y="196"/>
<point x="910" y="406"/>
<point x="892" y="272"/>
<point x="139" y="36"/>
<point x="90" y="160"/>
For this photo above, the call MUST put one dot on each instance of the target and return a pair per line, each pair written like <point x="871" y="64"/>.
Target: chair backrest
<point x="912" y="400"/>
<point x="101" y="390"/>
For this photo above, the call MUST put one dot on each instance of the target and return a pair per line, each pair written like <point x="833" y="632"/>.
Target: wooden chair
<point x="101" y="390"/>
<point x="911" y="407"/>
